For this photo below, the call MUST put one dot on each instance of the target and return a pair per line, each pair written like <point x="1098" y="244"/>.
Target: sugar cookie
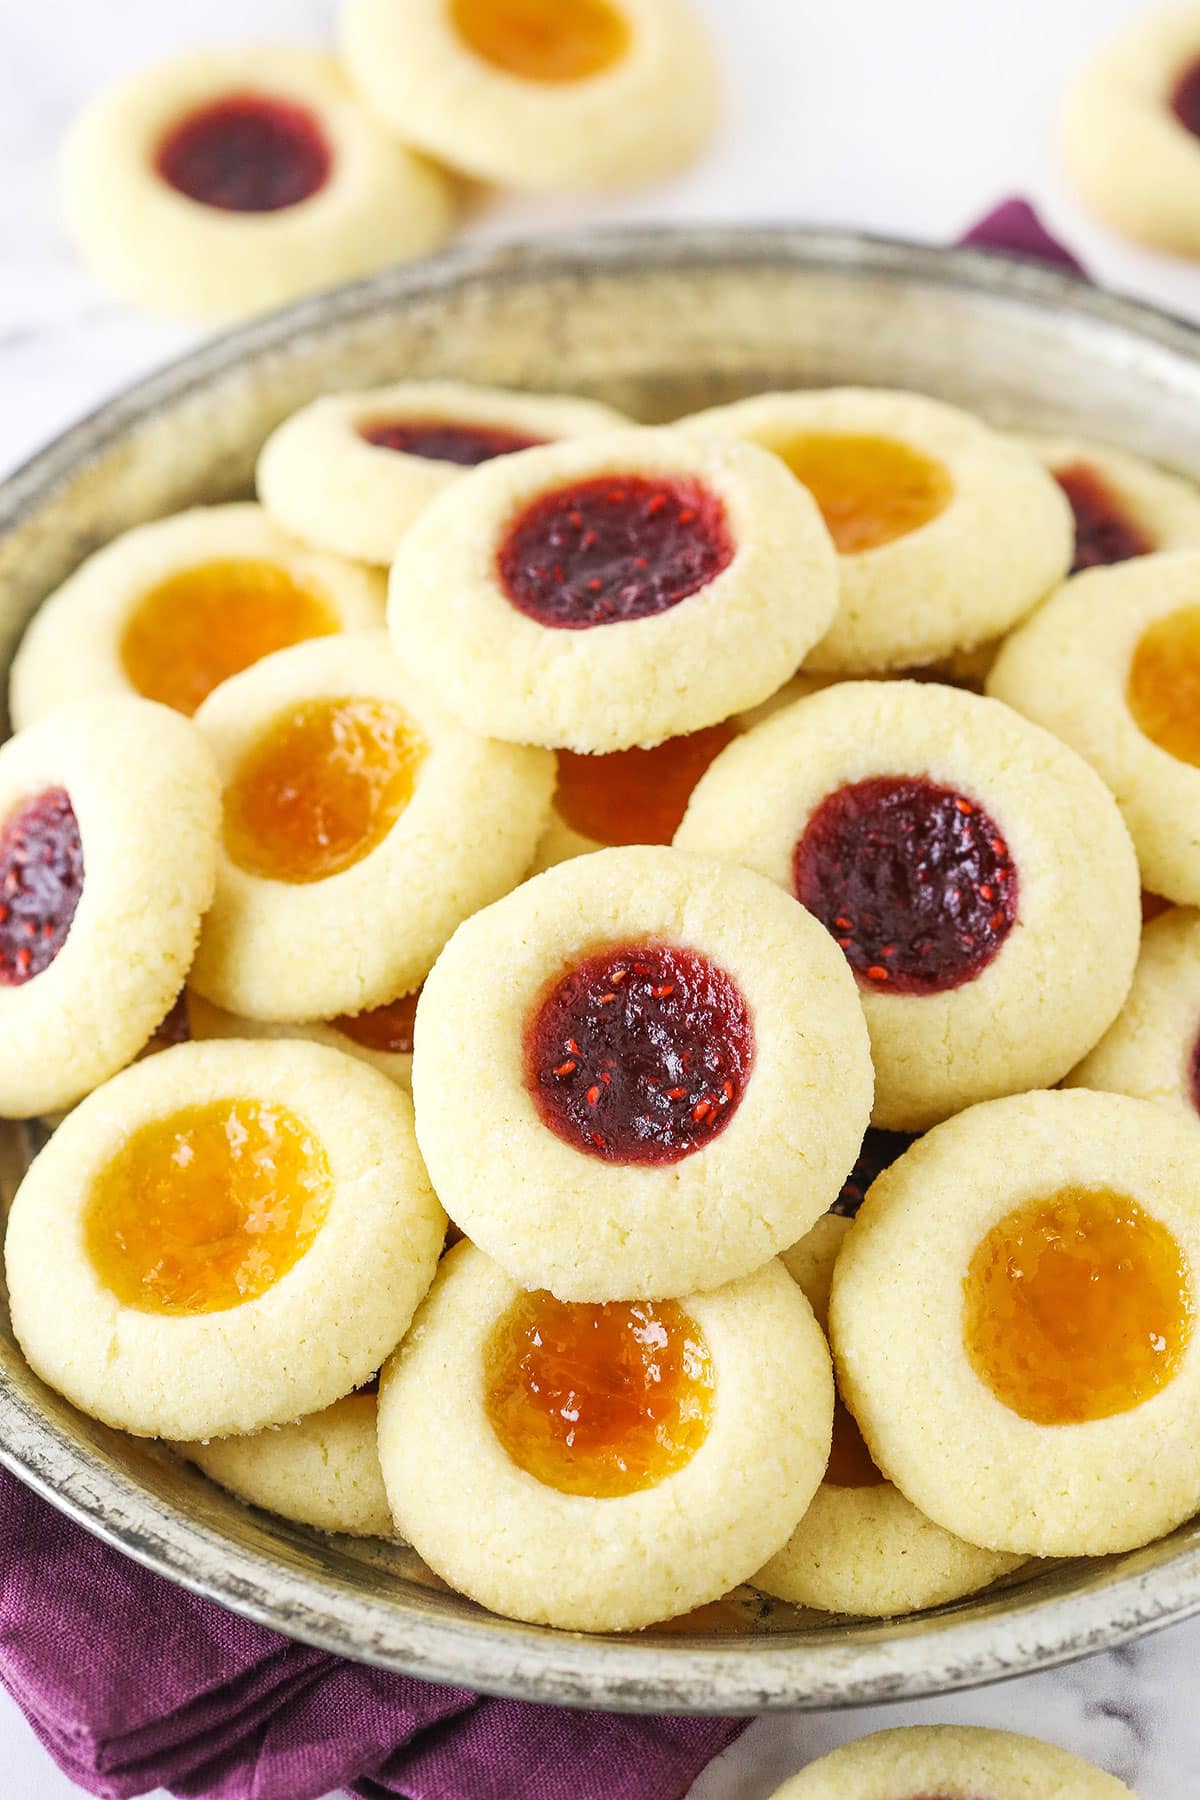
<point x="1152" y="1050"/>
<point x="951" y="1760"/>
<point x="1123" y="505"/>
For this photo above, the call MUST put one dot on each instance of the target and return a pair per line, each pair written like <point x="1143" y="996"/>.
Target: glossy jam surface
<point x="639" y="1054"/>
<point x="41" y="879"/>
<point x="207" y="1207"/>
<point x="636" y="796"/>
<point x="1077" y="1306"/>
<point x="1163" y="692"/>
<point x="621" y="547"/>
<point x="1185" y="99"/>
<point x="913" y="880"/>
<point x="870" y="490"/>
<point x="543" y="40"/>
<point x="880" y="1149"/>
<point x="445" y="440"/>
<point x="322" y="789"/>
<point x="196" y="629"/>
<point x="598" y="1400"/>
<point x="850" y="1462"/>
<point x="388" y="1028"/>
<point x="246" y="153"/>
<point x="1104" y="532"/>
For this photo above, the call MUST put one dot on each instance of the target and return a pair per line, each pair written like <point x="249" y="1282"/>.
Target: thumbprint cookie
<point x="627" y="1461"/>
<point x="1013" y="1319"/>
<point x="947" y="533"/>
<point x="109" y="820"/>
<point x="225" y="182"/>
<point x="538" y="94"/>
<point x="667" y="1059"/>
<point x="613" y="590"/>
<point x="1112" y="666"/>
<point x="1123" y="506"/>
<point x="381" y="1036"/>
<point x="361" y="825"/>
<point x="171" y="609"/>
<point x="924" y="827"/>
<point x="223" y="1237"/>
<point x="946" y="1762"/>
<point x="1153" y="1049"/>
<point x="350" y="472"/>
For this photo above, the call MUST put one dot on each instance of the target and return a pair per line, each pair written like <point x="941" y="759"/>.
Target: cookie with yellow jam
<point x="632" y="1460"/>
<point x="381" y="1036"/>
<point x="361" y="824"/>
<point x="1152" y="1050"/>
<point x="946" y="1762"/>
<point x="1123" y="505"/>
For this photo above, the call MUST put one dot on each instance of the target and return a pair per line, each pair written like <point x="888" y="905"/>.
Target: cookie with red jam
<point x="224" y="182"/>
<point x="1123" y="506"/>
<point x="632" y="1460"/>
<point x="925" y="827"/>
<point x="381" y="1035"/>
<point x="936" y="1762"/>
<point x="1152" y="1049"/>
<point x="665" y="1057"/>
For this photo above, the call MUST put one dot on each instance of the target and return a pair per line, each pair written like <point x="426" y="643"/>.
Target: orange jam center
<point x="636" y="796"/>
<point x="196" y="629"/>
<point x="1164" y="684"/>
<point x="1077" y="1306"/>
<point x="850" y="1462"/>
<point x="388" y="1028"/>
<point x="207" y="1207"/>
<point x="599" y="1400"/>
<point x="870" y="490"/>
<point x="543" y="40"/>
<point x="322" y="788"/>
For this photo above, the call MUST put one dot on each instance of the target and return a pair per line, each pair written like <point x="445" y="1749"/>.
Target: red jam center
<point x="442" y="440"/>
<point x="1104" y="532"/>
<point x="880" y="1149"/>
<point x="619" y="547"/>
<point x="639" y="1054"/>
<point x="41" y="879"/>
<point x="246" y="153"/>
<point x="913" y="880"/>
<point x="388" y="1028"/>
<point x="1185" y="100"/>
<point x="636" y="796"/>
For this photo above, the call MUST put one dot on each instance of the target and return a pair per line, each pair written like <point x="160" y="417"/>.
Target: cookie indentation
<point x="871" y="490"/>
<point x="636" y="796"/>
<point x="246" y="153"/>
<point x="445" y="440"/>
<point x="1185" y="99"/>
<point x="550" y="41"/>
<point x="1104" y="532"/>
<point x="41" y="879"/>
<point x="1163" y="691"/>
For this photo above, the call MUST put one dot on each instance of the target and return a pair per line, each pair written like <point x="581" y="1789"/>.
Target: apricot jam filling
<point x="850" y="1464"/>
<point x="207" y="1207"/>
<point x="199" y="627"/>
<point x="1163" y="691"/>
<point x="246" y="153"/>
<point x="388" y="1028"/>
<point x="322" y="788"/>
<point x="550" y="41"/>
<point x="1185" y="98"/>
<point x="41" y="880"/>
<point x="913" y="880"/>
<point x="615" y="548"/>
<point x="639" y="1054"/>
<point x="1104" y="532"/>
<point x="598" y="1399"/>
<point x="444" y="440"/>
<point x="636" y="796"/>
<point x="870" y="490"/>
<point x="1077" y="1306"/>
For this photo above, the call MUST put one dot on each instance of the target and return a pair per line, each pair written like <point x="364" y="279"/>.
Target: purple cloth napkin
<point x="133" y="1684"/>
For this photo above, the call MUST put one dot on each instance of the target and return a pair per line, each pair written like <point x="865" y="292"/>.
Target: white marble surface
<point x="911" y="118"/>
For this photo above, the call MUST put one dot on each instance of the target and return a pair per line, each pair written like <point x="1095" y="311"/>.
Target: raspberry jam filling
<point x="246" y="153"/>
<point x="1104" y="532"/>
<point x="199" y="627"/>
<point x="636" y="796"/>
<point x="880" y="1149"/>
<point x="598" y="1399"/>
<point x="913" y="880"/>
<point x="870" y="490"/>
<point x="387" y="1028"/>
<point x="639" y="1054"/>
<point x="322" y="789"/>
<point x="615" y="548"/>
<point x="1185" y="99"/>
<point x="1077" y="1306"/>
<point x="850" y="1464"/>
<point x="1163" y="691"/>
<point x="543" y="40"/>
<point x="41" y="879"/>
<point x="207" y="1207"/>
<point x="442" y="440"/>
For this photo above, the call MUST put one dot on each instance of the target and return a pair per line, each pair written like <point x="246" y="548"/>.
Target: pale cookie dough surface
<point x="999" y="545"/>
<point x="208" y="1021"/>
<point x="321" y="478"/>
<point x="1129" y="158"/>
<point x="143" y="786"/>
<point x="94" y="607"/>
<point x="933" y="1425"/>
<point x="322" y="1471"/>
<point x="725" y="647"/>
<point x="1068" y="669"/>
<point x="1162" y="506"/>
<point x="1150" y="1050"/>
<point x="644" y="116"/>
<point x="1062" y="972"/>
<point x="951" y="1762"/>
<point x="274" y="949"/>
<point x="320" y="1330"/>
<point x="156" y="246"/>
<point x="622" y="1562"/>
<point x="592" y="1229"/>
